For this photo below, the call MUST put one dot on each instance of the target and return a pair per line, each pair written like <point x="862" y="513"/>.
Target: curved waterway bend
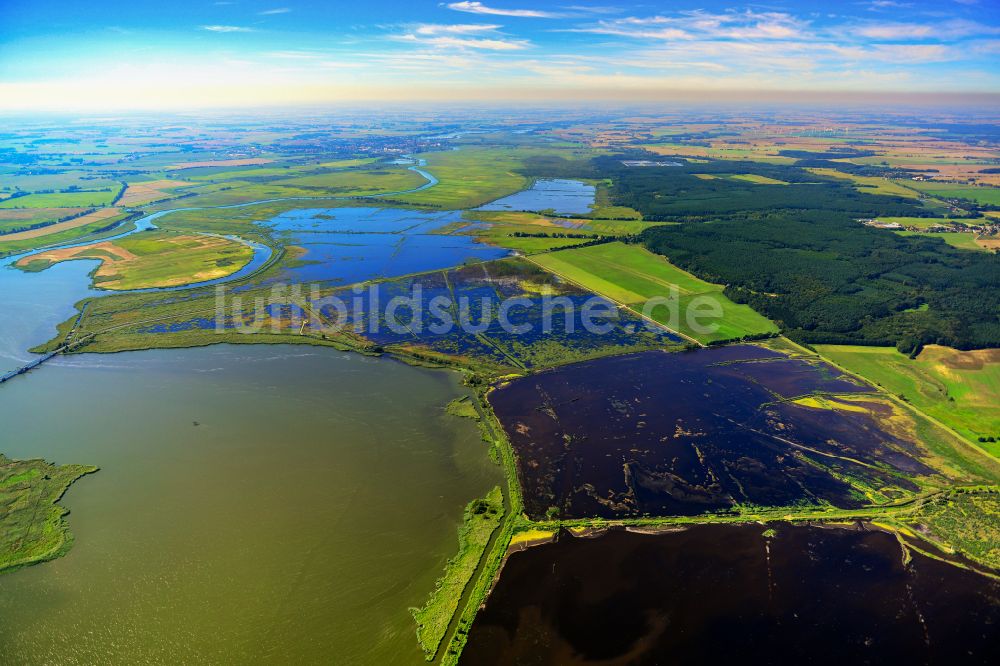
<point x="34" y="304"/>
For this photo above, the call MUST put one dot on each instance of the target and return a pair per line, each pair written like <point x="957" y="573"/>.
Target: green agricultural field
<point x="503" y="237"/>
<point x="347" y="164"/>
<point x="631" y="275"/>
<point x="980" y="194"/>
<point x="870" y="184"/>
<point x="531" y="232"/>
<point x="356" y="182"/>
<point x="86" y="199"/>
<point x="60" y="234"/>
<point x="963" y="240"/>
<point x="960" y="389"/>
<point x="760" y="180"/>
<point x="32" y="528"/>
<point x="926" y="222"/>
<point x="152" y="259"/>
<point x="14" y="219"/>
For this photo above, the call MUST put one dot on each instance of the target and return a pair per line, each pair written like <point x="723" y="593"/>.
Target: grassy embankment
<point x="631" y="275"/>
<point x="481" y="519"/>
<point x="960" y="389"/>
<point x="514" y="520"/>
<point x="152" y="259"/>
<point x="32" y="528"/>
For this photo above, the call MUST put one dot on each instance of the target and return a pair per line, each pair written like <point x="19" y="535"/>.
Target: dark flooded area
<point x="657" y="433"/>
<point x="750" y="594"/>
<point x="348" y="245"/>
<point x="562" y="197"/>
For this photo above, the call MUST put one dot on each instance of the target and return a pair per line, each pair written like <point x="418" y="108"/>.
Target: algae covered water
<point x="257" y="503"/>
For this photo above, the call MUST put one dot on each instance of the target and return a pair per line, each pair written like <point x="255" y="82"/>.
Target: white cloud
<point x="456" y="29"/>
<point x="226" y="28"/>
<point x="480" y="8"/>
<point x="278" y="10"/>
<point x="944" y="30"/>
<point x="445" y="41"/>
<point x="702" y="25"/>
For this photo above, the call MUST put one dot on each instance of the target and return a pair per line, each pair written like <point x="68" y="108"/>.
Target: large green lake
<point x="255" y="503"/>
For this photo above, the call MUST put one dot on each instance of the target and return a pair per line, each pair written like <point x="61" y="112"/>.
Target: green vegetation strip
<point x="32" y="528"/>
<point x="631" y="275"/>
<point x="482" y="516"/>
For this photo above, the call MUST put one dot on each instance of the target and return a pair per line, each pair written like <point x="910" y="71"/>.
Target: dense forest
<point x="798" y="254"/>
<point x="826" y="279"/>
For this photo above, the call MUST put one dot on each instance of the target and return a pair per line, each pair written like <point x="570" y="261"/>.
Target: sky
<point x="70" y="54"/>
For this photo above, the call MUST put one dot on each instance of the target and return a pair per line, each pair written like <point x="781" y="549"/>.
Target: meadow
<point x="139" y="193"/>
<point x="343" y="183"/>
<point x="631" y="275"/>
<point x="90" y="225"/>
<point x="963" y="240"/>
<point x="15" y="220"/>
<point x="469" y="177"/>
<point x="152" y="259"/>
<point x="959" y="389"/>
<point x="921" y="223"/>
<point x="32" y="528"/>
<point x="870" y="184"/>
<point x="989" y="196"/>
<point x="82" y="199"/>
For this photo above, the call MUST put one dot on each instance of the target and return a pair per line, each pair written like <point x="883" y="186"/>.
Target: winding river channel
<point x="34" y="304"/>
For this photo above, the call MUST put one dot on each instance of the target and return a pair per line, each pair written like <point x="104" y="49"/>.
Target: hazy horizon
<point x="108" y="54"/>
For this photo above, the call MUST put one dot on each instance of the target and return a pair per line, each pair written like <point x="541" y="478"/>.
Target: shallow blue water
<point x="563" y="197"/>
<point x="347" y="245"/>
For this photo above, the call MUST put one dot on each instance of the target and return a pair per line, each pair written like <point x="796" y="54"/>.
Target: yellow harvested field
<point x="221" y="163"/>
<point x="154" y="190"/>
<point x="89" y="218"/>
